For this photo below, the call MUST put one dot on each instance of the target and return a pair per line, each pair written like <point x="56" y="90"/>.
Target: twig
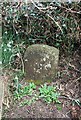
<point x="76" y="79"/>
<point x="55" y="23"/>
<point x="67" y="97"/>
<point x="6" y="103"/>
<point x="41" y="9"/>
<point x="70" y="10"/>
<point x="75" y="69"/>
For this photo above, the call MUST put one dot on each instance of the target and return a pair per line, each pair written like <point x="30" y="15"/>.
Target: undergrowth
<point x="57" y="25"/>
<point x="46" y="93"/>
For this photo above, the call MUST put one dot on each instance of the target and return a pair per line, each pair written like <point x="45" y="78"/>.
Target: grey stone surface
<point x="40" y="62"/>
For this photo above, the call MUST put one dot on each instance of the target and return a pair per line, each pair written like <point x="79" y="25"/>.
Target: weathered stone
<point x="41" y="62"/>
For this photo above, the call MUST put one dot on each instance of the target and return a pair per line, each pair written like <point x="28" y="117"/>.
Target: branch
<point x="41" y="9"/>
<point x="76" y="79"/>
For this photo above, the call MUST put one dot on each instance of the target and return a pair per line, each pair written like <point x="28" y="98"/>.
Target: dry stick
<point x="76" y="80"/>
<point x="55" y="22"/>
<point x="47" y="15"/>
<point x="72" y="99"/>
<point x="40" y="8"/>
<point x="66" y="97"/>
<point x="70" y="10"/>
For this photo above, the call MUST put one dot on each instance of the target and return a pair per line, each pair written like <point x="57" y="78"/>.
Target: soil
<point x="69" y="85"/>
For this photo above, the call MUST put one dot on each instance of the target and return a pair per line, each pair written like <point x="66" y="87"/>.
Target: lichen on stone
<point x="41" y="62"/>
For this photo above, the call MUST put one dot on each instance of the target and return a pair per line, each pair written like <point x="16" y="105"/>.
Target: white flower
<point x="5" y="32"/>
<point x="8" y="45"/>
<point x="16" y="77"/>
<point x="0" y="62"/>
<point x="5" y="50"/>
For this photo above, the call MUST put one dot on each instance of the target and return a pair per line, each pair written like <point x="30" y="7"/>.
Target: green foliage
<point x="28" y="102"/>
<point x="28" y="25"/>
<point x="21" y="92"/>
<point x="7" y="42"/>
<point x="49" y="94"/>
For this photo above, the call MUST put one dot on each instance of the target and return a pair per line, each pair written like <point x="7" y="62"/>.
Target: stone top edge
<point x="41" y="46"/>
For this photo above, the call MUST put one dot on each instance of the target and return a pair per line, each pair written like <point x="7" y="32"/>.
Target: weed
<point x="27" y="90"/>
<point x="28" y="102"/>
<point x="49" y="94"/>
<point x="59" y="106"/>
<point x="7" y="42"/>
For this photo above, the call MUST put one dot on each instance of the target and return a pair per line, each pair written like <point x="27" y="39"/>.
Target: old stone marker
<point x="40" y="62"/>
